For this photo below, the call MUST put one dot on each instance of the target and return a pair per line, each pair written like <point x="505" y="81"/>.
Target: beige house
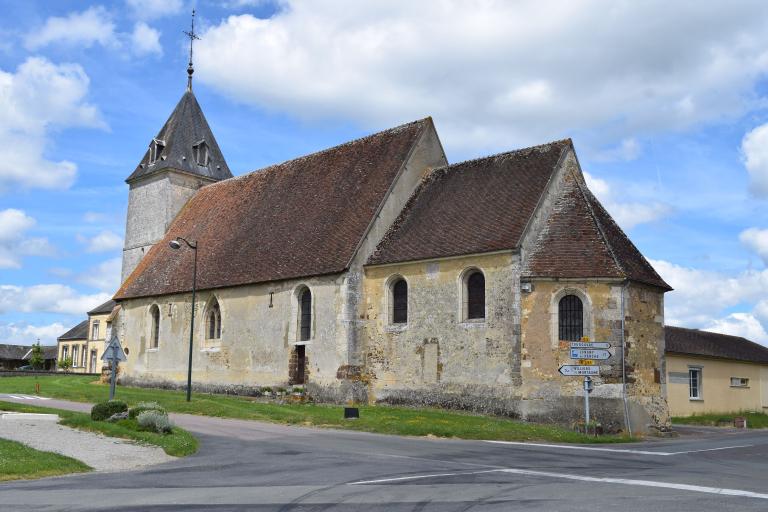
<point x="377" y="272"/>
<point x="714" y="373"/>
<point x="84" y="344"/>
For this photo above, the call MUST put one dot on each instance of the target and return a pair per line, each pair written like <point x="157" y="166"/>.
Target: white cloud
<point x="26" y="334"/>
<point x="145" y="40"/>
<point x="756" y="240"/>
<point x="94" y="25"/>
<point x="627" y="150"/>
<point x="494" y="74"/>
<point x="105" y="276"/>
<point x="626" y="214"/>
<point x="151" y="9"/>
<point x="104" y="241"/>
<point x="740" y="324"/>
<point x="754" y="149"/>
<point x="48" y="298"/>
<point x="701" y="297"/>
<point x="38" y="97"/>
<point x="93" y="217"/>
<point x="14" y="244"/>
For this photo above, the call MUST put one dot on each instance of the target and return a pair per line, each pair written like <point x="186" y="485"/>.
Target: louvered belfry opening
<point x="571" y="318"/>
<point x="476" y="296"/>
<point x="400" y="302"/>
<point x="306" y="315"/>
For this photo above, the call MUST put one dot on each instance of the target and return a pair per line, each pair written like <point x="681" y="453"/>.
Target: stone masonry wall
<point x="439" y="357"/>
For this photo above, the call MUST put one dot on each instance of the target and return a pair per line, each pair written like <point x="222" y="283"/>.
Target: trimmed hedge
<point x="104" y="410"/>
<point x="155" y="420"/>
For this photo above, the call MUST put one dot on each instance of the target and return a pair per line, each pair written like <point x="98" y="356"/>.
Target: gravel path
<point x="100" y="452"/>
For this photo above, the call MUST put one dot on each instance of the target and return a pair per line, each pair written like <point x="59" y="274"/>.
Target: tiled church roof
<point x="581" y="239"/>
<point x="712" y="344"/>
<point x="472" y="207"/>
<point x="301" y="218"/>
<point x="185" y="127"/>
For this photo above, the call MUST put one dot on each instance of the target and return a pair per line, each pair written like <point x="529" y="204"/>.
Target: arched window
<point x="570" y="314"/>
<point x="400" y="302"/>
<point x="475" y="295"/>
<point x="154" y="335"/>
<point x="305" y="315"/>
<point x="214" y="320"/>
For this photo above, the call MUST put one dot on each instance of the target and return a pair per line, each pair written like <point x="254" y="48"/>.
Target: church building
<point x="376" y="271"/>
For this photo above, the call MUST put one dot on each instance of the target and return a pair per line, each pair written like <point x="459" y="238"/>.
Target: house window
<point x="739" y="382"/>
<point x="74" y="355"/>
<point x="570" y="315"/>
<point x="214" y="321"/>
<point x="475" y="295"/>
<point x="64" y="352"/>
<point x="156" y="150"/>
<point x="305" y="315"/>
<point x="694" y="383"/>
<point x="400" y="302"/>
<point x="154" y="336"/>
<point x="108" y="332"/>
<point x="95" y="330"/>
<point x="201" y="153"/>
<point x="83" y="356"/>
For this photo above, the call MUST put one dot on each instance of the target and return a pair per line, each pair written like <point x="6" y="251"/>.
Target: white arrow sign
<point x="582" y="353"/>
<point x="590" y="344"/>
<point x="114" y="351"/>
<point x="574" y="370"/>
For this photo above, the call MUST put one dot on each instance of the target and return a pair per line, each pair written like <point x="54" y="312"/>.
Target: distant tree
<point x="65" y="364"/>
<point x="36" y="359"/>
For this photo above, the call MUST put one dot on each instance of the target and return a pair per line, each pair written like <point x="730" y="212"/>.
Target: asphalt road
<point x="252" y="466"/>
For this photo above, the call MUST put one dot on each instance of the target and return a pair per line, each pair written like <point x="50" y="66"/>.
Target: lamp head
<point x="174" y="244"/>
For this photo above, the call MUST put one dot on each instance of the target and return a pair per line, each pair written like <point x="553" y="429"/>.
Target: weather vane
<point x="192" y="36"/>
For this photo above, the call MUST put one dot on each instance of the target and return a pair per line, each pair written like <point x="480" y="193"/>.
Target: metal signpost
<point x="113" y="354"/>
<point x="587" y="354"/>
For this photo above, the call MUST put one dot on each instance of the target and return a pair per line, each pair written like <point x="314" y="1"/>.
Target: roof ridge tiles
<point x="513" y="152"/>
<point x="319" y="153"/>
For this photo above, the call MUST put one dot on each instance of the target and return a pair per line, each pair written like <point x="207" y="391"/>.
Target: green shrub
<point x="154" y="420"/>
<point x="133" y="412"/>
<point x="103" y="410"/>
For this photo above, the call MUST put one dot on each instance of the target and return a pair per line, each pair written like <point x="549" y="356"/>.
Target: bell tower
<point x="181" y="158"/>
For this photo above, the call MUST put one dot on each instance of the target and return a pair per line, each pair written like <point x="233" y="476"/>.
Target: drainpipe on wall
<point x="624" y="360"/>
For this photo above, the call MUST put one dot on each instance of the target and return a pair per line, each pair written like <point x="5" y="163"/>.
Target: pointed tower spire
<point x="192" y="36"/>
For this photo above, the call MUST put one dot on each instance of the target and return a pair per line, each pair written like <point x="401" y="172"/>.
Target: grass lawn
<point x="754" y="419"/>
<point x="178" y="443"/>
<point x="385" y="420"/>
<point x="18" y="461"/>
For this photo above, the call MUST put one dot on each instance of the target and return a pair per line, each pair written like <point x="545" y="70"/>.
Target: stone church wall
<point x="257" y="339"/>
<point x="549" y="396"/>
<point x="438" y="357"/>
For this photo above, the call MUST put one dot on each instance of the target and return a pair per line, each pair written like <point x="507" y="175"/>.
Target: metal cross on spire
<point x="192" y="36"/>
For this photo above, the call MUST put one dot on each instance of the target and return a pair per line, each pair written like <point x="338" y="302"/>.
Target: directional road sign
<point x="582" y="353"/>
<point x="573" y="370"/>
<point x="590" y="344"/>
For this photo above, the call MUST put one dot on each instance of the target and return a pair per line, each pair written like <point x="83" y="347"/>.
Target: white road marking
<point x="615" y="450"/>
<point x="25" y="397"/>
<point x="583" y="478"/>
<point x="417" y="477"/>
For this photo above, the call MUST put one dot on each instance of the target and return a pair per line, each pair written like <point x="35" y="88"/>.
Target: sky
<point x="666" y="103"/>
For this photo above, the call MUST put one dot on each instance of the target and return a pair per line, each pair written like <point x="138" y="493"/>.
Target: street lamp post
<point x="176" y="245"/>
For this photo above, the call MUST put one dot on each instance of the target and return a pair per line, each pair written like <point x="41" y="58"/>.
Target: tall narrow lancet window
<point x="400" y="302"/>
<point x="214" y="320"/>
<point x="305" y="315"/>
<point x="571" y="318"/>
<point x="154" y="317"/>
<point x="476" y="296"/>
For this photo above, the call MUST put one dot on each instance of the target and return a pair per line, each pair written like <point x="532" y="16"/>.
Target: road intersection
<point x="248" y="465"/>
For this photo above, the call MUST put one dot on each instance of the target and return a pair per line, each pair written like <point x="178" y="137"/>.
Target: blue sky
<point x="666" y="106"/>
